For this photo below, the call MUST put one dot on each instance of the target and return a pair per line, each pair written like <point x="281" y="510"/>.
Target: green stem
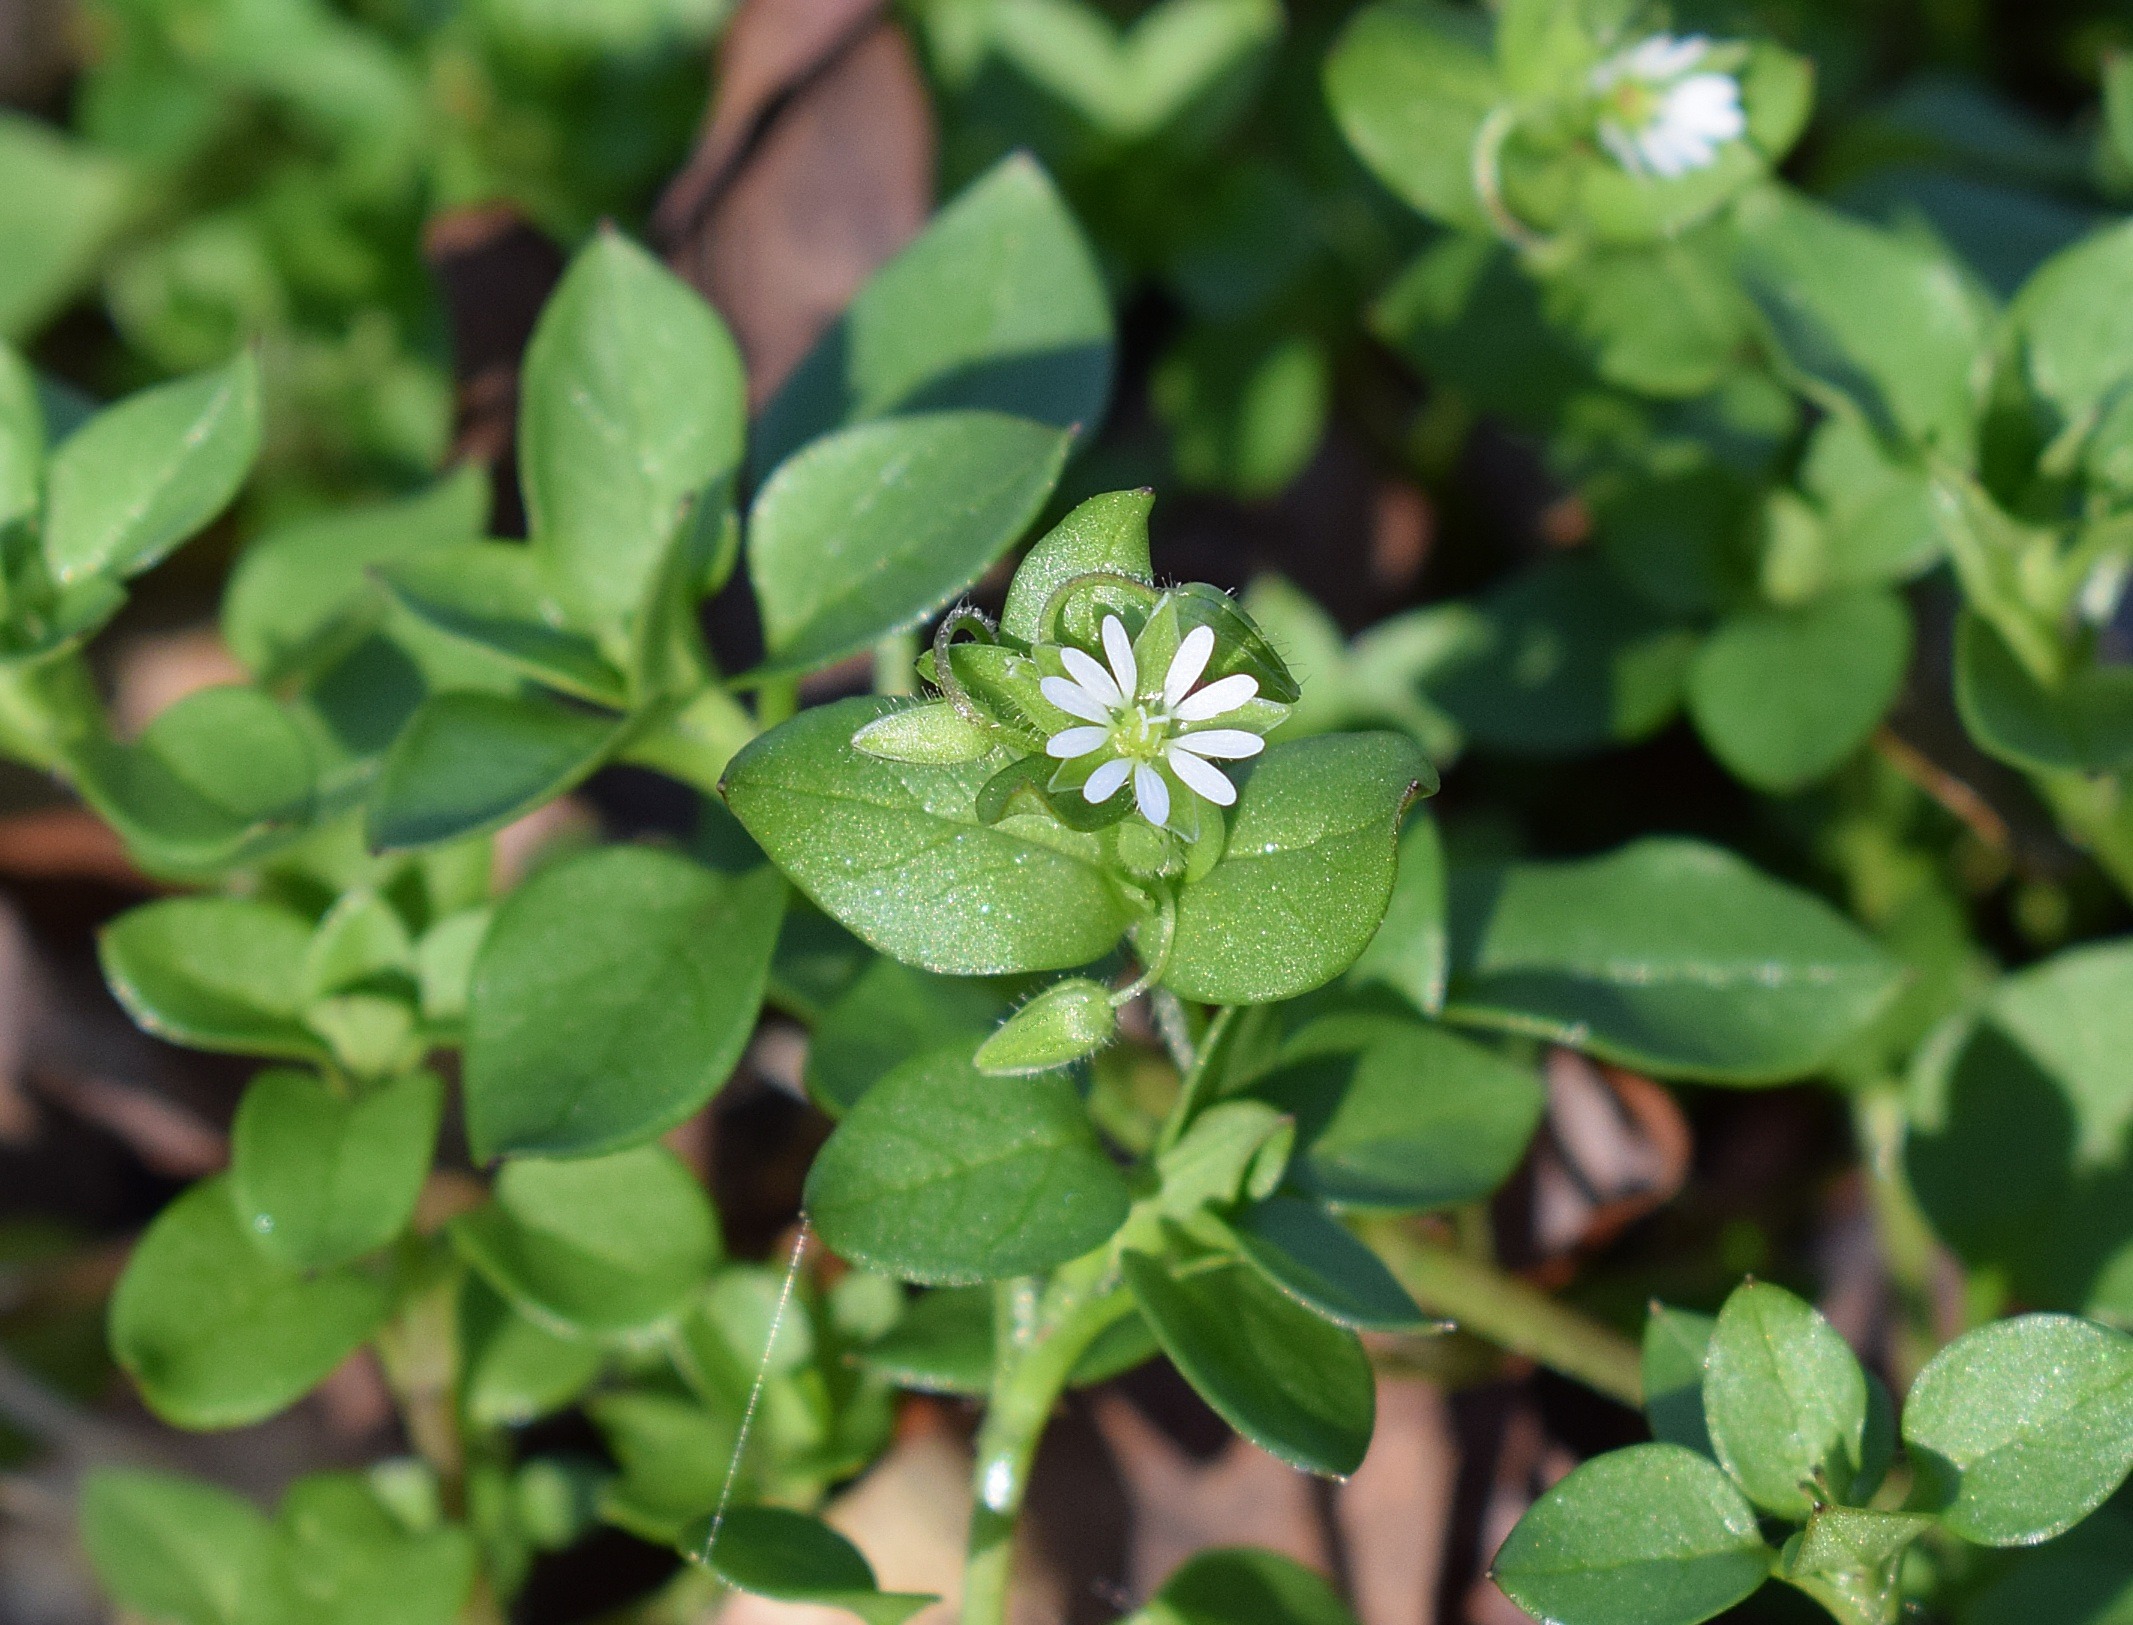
<point x="1037" y="1348"/>
<point x="696" y="742"/>
<point x="895" y="664"/>
<point x="1501" y="1309"/>
<point x="1908" y="1247"/>
<point x="1198" y="1069"/>
<point x="776" y="700"/>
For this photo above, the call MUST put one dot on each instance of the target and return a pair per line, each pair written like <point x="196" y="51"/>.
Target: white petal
<point x="1092" y="677"/>
<point x="1232" y="744"/>
<point x="1153" y="795"/>
<point x="1069" y="743"/>
<point x="1074" y="700"/>
<point x="1120" y="648"/>
<point x="1218" y="698"/>
<point x="1187" y="664"/>
<point x="1104" y="782"/>
<point x="1202" y="779"/>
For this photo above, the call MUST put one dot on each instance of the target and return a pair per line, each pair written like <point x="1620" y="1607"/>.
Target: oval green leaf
<point x="470" y="763"/>
<point x="943" y="1175"/>
<point x="611" y="999"/>
<point x="216" y="1331"/>
<point x="1307" y="872"/>
<point x="215" y="973"/>
<point x="1666" y="955"/>
<point x="1785" y="1401"/>
<point x="1651" y="1535"/>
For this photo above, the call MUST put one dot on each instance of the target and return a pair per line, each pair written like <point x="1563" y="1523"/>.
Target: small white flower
<point x="1658" y="116"/>
<point x="1141" y="732"/>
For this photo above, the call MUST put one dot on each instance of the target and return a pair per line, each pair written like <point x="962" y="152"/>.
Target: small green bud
<point x="936" y="734"/>
<point x="1060" y="1025"/>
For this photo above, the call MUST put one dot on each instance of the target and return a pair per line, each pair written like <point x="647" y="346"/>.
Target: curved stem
<point x="1198" y="1069"/>
<point x="1499" y="1308"/>
<point x="1036" y="1351"/>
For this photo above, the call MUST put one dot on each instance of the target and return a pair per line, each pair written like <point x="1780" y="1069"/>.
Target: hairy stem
<point x="1039" y="1341"/>
<point x="1500" y="1308"/>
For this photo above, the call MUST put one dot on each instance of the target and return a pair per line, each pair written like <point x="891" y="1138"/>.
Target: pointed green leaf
<point x="632" y="404"/>
<point x="143" y="475"/>
<point x="495" y="597"/>
<point x="470" y="763"/>
<point x="1297" y="1386"/>
<point x="1785" y="1401"/>
<point x="172" y="1548"/>
<point x="1676" y="1342"/>
<point x="1313" y="1257"/>
<point x="871" y="529"/>
<point x="1666" y="955"/>
<point x="998" y="305"/>
<point x="218" y="973"/>
<point x="1241" y="1585"/>
<point x="1106" y="535"/>
<point x="775" y="1552"/>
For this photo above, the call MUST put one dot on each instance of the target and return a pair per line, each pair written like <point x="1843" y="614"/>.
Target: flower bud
<point x="1066" y="1021"/>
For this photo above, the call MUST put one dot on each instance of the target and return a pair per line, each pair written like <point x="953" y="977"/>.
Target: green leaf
<point x="65" y="201"/>
<point x="943" y="1344"/>
<point x="2022" y="1428"/>
<point x="602" y="1246"/>
<point x="515" y="1370"/>
<point x="172" y="1548"/>
<point x="496" y="597"/>
<point x="1314" y="1259"/>
<point x="470" y="763"/>
<point x="1145" y="85"/>
<point x="348" y="1560"/>
<point x="2017" y="1143"/>
<point x="673" y="1452"/>
<point x="303" y="594"/>
<point x="941" y="1174"/>
<point x="2084" y="724"/>
<point x="898" y="854"/>
<point x="1651" y="1535"/>
<point x="1395" y="1116"/>
<point x="1106" y="535"/>
<point x="1065" y="1023"/>
<point x="613" y="995"/>
<point x="890" y="1014"/>
<point x="1307" y="873"/>
<point x="2077" y="341"/>
<point x="999" y="306"/>
<point x="1676" y="1343"/>
<point x="1567" y="660"/>
<point x="218" y="1333"/>
<point x="1785" y="1401"/>
<point x="1868" y="320"/>
<point x="1666" y="955"/>
<point x="321" y="1176"/>
<point x="1294" y="1384"/>
<point x="790" y="1556"/>
<point x="22" y="440"/>
<point x="632" y="406"/>
<point x="1410" y="83"/>
<point x="871" y="529"/>
<point x="1849" y="1559"/>
<point x="220" y="777"/>
<point x="1241" y="1585"/>
<point x="217" y="973"/>
<point x="143" y="475"/>
<point x="1410" y="953"/>
<point x="2083" y="1578"/>
<point x="1783" y="696"/>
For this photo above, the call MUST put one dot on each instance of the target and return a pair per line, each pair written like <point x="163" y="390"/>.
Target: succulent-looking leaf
<point x="1785" y="1401"/>
<point x="1065" y="1023"/>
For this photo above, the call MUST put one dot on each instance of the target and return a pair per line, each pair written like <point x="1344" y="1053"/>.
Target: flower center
<point x="1141" y="732"/>
<point x="1633" y="103"/>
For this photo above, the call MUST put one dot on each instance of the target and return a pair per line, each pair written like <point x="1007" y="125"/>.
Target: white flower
<point x="1658" y="117"/>
<point x="1139" y="733"/>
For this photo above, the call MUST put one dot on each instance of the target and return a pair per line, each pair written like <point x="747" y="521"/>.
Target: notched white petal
<point x="1120" y="648"/>
<point x="1230" y="744"/>
<point x="1085" y="671"/>
<point x="1153" y="795"/>
<point x="1201" y="778"/>
<point x="1069" y="743"/>
<point x="1104" y="782"/>
<point x="1218" y="698"/>
<point x="1074" y="700"/>
<point x="1187" y="664"/>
